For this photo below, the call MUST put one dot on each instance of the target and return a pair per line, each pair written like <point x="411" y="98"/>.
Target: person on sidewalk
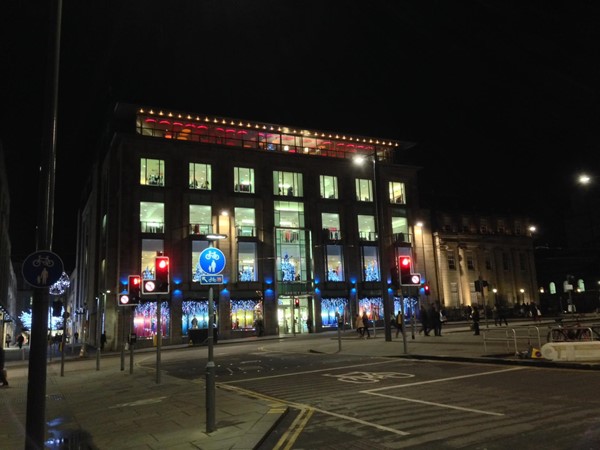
<point x="436" y="321"/>
<point x="360" y="326"/>
<point x="7" y="340"/>
<point x="365" y="320"/>
<point x="398" y="323"/>
<point x="3" y="374"/>
<point x="475" y="318"/>
<point x="502" y="315"/>
<point x="424" y="321"/>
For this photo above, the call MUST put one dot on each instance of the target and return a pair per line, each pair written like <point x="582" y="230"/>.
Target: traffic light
<point x="161" y="267"/>
<point x="426" y="289"/>
<point x="296" y="302"/>
<point x="133" y="295"/>
<point x="407" y="277"/>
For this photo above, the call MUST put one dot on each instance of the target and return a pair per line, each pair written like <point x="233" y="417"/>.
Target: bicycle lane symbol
<point x="369" y="377"/>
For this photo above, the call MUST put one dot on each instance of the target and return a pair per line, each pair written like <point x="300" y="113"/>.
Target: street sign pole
<point x="210" y="368"/>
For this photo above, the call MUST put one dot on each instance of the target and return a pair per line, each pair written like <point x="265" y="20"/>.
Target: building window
<point x="244" y="222"/>
<point x="518" y="228"/>
<point x="331" y="226"/>
<point x="505" y="262"/>
<point x="500" y="227"/>
<point x="243" y="180"/>
<point x="328" y="186"/>
<point x="522" y="262"/>
<point x="287" y="183"/>
<point x="400" y="229"/>
<point x="152" y="172"/>
<point x="200" y="176"/>
<point x="451" y="262"/>
<point x="397" y="192"/>
<point x="200" y="219"/>
<point x="366" y="228"/>
<point x="483" y="226"/>
<point x="290" y="240"/>
<point x="197" y="248"/>
<point x="247" y="261"/>
<point x="334" y="263"/>
<point x="151" y="248"/>
<point x="370" y="261"/>
<point x="488" y="262"/>
<point x="364" y="190"/>
<point x="152" y="217"/>
<point x="470" y="262"/>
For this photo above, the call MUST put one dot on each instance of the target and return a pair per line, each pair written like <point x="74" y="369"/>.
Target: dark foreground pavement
<point x="113" y="409"/>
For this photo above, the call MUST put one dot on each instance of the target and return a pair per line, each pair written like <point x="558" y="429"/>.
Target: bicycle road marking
<point x="305" y="372"/>
<point x="368" y="377"/>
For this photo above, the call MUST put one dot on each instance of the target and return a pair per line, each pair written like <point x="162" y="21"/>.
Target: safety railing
<point x="514" y="336"/>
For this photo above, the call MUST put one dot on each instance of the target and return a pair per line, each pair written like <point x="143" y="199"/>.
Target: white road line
<point x="302" y="406"/>
<point x="442" y="380"/>
<point x="305" y="372"/>
<point x="439" y="405"/>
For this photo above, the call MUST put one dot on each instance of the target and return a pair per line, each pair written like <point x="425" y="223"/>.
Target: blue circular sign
<point x="212" y="261"/>
<point x="42" y="269"/>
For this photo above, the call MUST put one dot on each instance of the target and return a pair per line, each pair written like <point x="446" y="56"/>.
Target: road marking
<point x="288" y="439"/>
<point x="439" y="405"/>
<point x="443" y="380"/>
<point x="305" y="372"/>
<point x="368" y="377"/>
<point x="303" y="406"/>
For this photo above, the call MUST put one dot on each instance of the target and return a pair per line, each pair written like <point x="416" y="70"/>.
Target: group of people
<point x="362" y="326"/>
<point x="19" y="343"/>
<point x="432" y="318"/>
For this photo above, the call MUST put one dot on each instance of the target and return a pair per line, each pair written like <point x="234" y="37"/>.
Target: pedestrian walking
<point x="365" y="320"/>
<point x="20" y="340"/>
<point x="7" y="339"/>
<point x="399" y="323"/>
<point x="424" y="321"/>
<point x="502" y="315"/>
<point x="475" y="318"/>
<point x="436" y="320"/>
<point x="360" y="326"/>
<point x="3" y="374"/>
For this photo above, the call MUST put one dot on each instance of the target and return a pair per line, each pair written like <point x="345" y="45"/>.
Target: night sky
<point x="501" y="97"/>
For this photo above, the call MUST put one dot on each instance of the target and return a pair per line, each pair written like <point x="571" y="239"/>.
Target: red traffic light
<point x="405" y="262"/>
<point x="162" y="263"/>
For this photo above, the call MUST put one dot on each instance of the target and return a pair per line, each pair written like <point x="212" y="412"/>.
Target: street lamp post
<point x="210" y="363"/>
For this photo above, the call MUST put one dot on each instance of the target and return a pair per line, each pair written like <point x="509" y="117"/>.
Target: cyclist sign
<point x="42" y="269"/>
<point x="212" y="261"/>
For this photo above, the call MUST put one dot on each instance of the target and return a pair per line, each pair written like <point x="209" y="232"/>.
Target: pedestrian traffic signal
<point x="133" y="295"/>
<point x="426" y="289"/>
<point x="161" y="268"/>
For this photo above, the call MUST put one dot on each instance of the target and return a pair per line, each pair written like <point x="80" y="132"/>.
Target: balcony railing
<point x="200" y="229"/>
<point x="152" y="227"/>
<point x="367" y="236"/>
<point x="245" y="231"/>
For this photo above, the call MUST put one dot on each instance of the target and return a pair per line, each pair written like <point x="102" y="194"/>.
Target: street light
<point x="380" y="229"/>
<point x="210" y="363"/>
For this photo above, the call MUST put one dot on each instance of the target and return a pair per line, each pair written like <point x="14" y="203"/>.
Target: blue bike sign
<point x="42" y="269"/>
<point x="212" y="261"/>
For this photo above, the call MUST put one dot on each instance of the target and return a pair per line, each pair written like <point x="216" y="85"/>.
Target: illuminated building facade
<point x="304" y="245"/>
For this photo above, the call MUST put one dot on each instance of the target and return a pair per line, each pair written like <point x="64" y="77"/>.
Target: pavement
<point x="110" y="403"/>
